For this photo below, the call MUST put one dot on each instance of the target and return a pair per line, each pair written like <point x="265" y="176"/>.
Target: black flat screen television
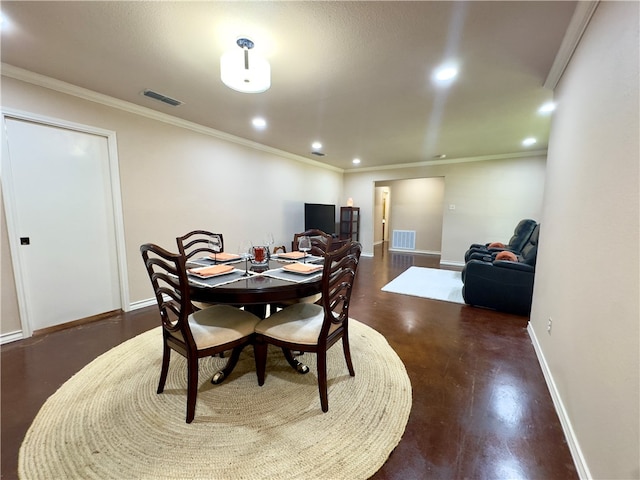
<point x="320" y="216"/>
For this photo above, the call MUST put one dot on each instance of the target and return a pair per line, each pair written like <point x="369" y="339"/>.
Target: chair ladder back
<point x="320" y="241"/>
<point x="278" y="248"/>
<point x="168" y="275"/>
<point x="339" y="273"/>
<point x="197" y="242"/>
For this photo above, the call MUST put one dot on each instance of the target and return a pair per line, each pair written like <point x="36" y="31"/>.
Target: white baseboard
<point x="11" y="337"/>
<point x="452" y="264"/>
<point x="142" y="303"/>
<point x="17" y="335"/>
<point x="420" y="252"/>
<point x="572" y="441"/>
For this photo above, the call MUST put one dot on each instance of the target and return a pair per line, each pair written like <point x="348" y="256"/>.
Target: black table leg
<point x="299" y="367"/>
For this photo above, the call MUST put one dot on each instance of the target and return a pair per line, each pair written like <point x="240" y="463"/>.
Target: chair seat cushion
<point x="300" y="323"/>
<point x="220" y="324"/>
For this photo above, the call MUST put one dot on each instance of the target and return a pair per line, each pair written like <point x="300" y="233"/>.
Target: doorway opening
<point x="409" y="215"/>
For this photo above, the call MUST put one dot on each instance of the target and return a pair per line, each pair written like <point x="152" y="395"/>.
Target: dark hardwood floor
<point x="481" y="408"/>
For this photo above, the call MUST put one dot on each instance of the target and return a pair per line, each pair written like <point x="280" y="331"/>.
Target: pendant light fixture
<point x="244" y="74"/>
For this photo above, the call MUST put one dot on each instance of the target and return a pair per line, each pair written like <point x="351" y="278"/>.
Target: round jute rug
<point x="107" y="422"/>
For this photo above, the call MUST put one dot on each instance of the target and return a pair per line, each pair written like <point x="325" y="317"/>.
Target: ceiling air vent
<point x="319" y="154"/>
<point x="163" y="98"/>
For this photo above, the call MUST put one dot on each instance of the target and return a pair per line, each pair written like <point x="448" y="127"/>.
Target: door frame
<point x="9" y="198"/>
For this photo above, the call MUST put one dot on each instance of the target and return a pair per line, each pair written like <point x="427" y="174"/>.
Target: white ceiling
<point x="353" y="75"/>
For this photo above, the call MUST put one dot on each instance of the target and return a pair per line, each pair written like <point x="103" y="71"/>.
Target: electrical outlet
<point x="549" y="325"/>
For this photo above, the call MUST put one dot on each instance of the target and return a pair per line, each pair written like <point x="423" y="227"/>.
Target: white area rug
<point x="431" y="283"/>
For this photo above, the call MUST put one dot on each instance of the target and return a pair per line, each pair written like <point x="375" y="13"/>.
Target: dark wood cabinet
<point x="350" y="223"/>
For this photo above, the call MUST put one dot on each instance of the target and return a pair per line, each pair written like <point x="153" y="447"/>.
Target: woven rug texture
<point x="433" y="283"/>
<point x="108" y="422"/>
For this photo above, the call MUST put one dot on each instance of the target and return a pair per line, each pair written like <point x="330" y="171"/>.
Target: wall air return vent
<point x="163" y="98"/>
<point x="404" y="239"/>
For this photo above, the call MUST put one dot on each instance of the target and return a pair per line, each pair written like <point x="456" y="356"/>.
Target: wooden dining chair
<point x="198" y="244"/>
<point x="320" y="245"/>
<point x="309" y="327"/>
<point x="320" y="241"/>
<point x="193" y="335"/>
<point x="279" y="248"/>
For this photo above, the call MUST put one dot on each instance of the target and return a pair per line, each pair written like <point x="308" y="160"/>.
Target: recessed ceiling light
<point x="547" y="107"/>
<point x="442" y="155"/>
<point x="356" y="161"/>
<point x="445" y="74"/>
<point x="316" y="145"/>
<point x="527" y="142"/>
<point x="259" y="122"/>
<point x="5" y="23"/>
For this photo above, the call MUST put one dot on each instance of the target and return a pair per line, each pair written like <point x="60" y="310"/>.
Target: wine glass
<point x="215" y="244"/>
<point x="244" y="250"/>
<point x="269" y="240"/>
<point x="304" y="245"/>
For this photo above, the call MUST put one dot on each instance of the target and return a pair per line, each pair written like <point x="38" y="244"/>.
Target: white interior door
<point x="63" y="229"/>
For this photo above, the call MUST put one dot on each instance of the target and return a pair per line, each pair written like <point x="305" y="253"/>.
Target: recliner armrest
<point x="523" y="267"/>
<point x="482" y="256"/>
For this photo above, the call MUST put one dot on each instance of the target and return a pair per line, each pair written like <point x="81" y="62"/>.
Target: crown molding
<point x="578" y="24"/>
<point x="33" y="78"/>
<point x="431" y="163"/>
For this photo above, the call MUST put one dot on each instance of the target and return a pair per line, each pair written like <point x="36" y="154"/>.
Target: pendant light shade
<point x="245" y="72"/>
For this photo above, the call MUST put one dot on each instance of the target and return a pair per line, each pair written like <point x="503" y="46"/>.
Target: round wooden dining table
<point x="255" y="291"/>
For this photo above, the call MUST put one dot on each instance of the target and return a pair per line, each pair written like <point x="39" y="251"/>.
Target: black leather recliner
<point x="521" y="235"/>
<point x="500" y="284"/>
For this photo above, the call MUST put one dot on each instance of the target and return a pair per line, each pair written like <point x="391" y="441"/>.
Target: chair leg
<point x="322" y="380"/>
<point x="192" y="387"/>
<point x="166" y="355"/>
<point x="347" y="353"/>
<point x="260" y="354"/>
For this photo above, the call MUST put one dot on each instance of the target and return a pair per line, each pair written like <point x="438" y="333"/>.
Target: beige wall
<point x="174" y="180"/>
<point x="587" y="278"/>
<point x="417" y="205"/>
<point x="490" y="198"/>
<point x="379" y="195"/>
